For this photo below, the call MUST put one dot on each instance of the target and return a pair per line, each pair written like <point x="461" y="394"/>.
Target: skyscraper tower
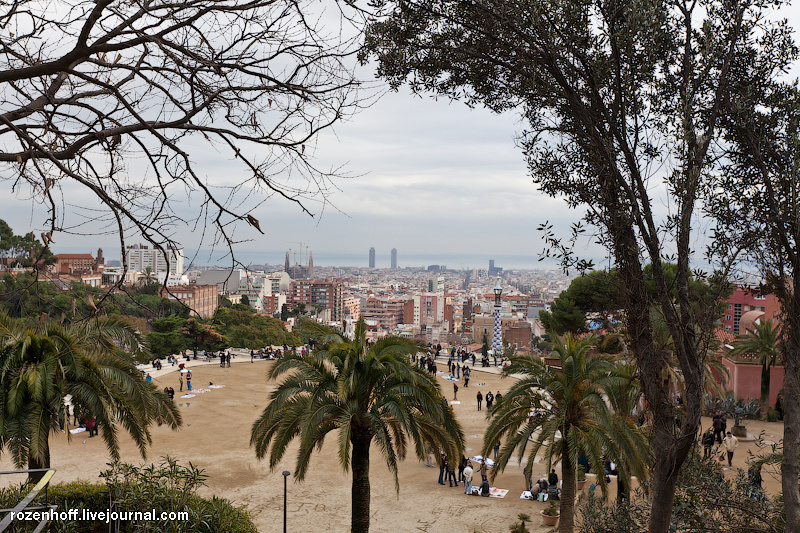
<point x="286" y="267"/>
<point x="394" y="258"/>
<point x="310" y="265"/>
<point x="372" y="257"/>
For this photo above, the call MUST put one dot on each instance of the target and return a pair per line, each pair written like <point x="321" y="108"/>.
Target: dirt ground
<point x="216" y="435"/>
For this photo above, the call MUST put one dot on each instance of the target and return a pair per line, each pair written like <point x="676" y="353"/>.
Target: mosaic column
<point x="497" y="334"/>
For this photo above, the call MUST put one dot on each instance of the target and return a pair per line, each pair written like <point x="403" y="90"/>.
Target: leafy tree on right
<point x="623" y="103"/>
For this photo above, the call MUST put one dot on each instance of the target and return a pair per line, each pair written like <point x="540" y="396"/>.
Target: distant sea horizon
<point x="452" y="261"/>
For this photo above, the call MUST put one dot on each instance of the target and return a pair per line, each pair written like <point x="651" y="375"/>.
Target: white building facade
<point x="140" y="258"/>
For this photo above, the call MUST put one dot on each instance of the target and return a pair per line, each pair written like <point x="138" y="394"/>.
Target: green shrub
<point x="773" y="415"/>
<point x="167" y="486"/>
<point x="704" y="501"/>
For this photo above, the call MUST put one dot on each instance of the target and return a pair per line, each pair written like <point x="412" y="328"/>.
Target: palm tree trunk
<point x="34" y="477"/>
<point x="360" y="490"/>
<point x="567" y="508"/>
<point x="765" y="389"/>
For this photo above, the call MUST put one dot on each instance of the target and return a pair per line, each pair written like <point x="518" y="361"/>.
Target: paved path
<point x="237" y="356"/>
<point x="240" y="355"/>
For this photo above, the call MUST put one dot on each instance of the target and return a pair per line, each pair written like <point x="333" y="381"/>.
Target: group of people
<point x="188" y="380"/>
<point x="714" y="434"/>
<point x="729" y="444"/>
<point x="80" y="417"/>
<point x="465" y="475"/>
<point x="225" y="359"/>
<point x="548" y="485"/>
<point x="490" y="399"/>
<point x="170" y="392"/>
<point x="456" y="369"/>
<point x="265" y="353"/>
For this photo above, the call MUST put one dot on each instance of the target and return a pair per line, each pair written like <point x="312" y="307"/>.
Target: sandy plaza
<point x="215" y="437"/>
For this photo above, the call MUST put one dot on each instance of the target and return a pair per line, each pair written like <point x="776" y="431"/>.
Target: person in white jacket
<point x="730" y="443"/>
<point x="468" y="479"/>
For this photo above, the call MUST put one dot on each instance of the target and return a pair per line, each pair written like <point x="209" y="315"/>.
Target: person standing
<point x="552" y="478"/>
<point x="708" y="442"/>
<point x="468" y="478"/>
<point x="442" y="464"/>
<point x="458" y="370"/>
<point x="730" y="442"/>
<point x="189" y="380"/>
<point x="451" y="474"/>
<point x="473" y="358"/>
<point x="754" y="476"/>
<point x="497" y="450"/>
<point x="484" y="470"/>
<point x="717" y="424"/>
<point x="480" y="399"/>
<point x="461" y="466"/>
<point x="455" y="392"/>
<point x="180" y="380"/>
<point x="498" y="397"/>
<point x="489" y="399"/>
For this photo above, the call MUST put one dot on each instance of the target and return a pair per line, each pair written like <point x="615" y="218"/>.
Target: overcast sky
<point x="433" y="178"/>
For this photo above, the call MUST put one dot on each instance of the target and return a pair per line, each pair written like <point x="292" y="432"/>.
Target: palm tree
<point x="764" y="342"/>
<point x="40" y="366"/>
<point x="562" y="412"/>
<point x="365" y="392"/>
<point x="149" y="276"/>
<point x="624" y="395"/>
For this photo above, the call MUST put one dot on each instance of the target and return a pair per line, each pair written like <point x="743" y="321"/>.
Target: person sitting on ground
<point x="485" y="488"/>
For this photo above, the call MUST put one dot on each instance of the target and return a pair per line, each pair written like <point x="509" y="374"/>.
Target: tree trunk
<point x="765" y="368"/>
<point x="669" y="451"/>
<point x="360" y="490"/>
<point x="34" y="477"/>
<point x="567" y="507"/>
<point x="791" y="426"/>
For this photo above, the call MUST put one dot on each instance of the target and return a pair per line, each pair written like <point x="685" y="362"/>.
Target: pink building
<point x="739" y="303"/>
<point x="745" y="309"/>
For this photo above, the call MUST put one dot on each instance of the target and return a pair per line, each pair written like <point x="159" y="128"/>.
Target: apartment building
<point x="141" y="257"/>
<point x="327" y="294"/>
<point x="201" y="299"/>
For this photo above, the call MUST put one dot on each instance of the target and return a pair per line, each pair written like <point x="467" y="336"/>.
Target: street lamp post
<point x="497" y="334"/>
<point x="285" y="476"/>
